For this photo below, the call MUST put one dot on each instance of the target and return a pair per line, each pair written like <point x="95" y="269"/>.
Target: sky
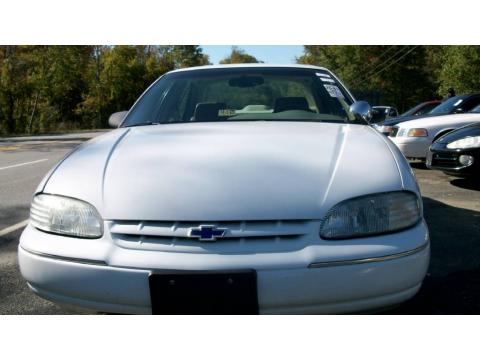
<point x="273" y="54"/>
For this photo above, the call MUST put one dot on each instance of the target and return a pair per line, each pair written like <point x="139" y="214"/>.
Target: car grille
<point x="235" y="230"/>
<point x="445" y="160"/>
<point x="240" y="236"/>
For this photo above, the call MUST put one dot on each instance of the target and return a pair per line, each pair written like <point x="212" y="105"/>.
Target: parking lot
<point x="451" y="207"/>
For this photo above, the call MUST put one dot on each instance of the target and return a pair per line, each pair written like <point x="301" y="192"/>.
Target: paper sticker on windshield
<point x="226" y="112"/>
<point x="328" y="80"/>
<point x="323" y="75"/>
<point x="334" y="91"/>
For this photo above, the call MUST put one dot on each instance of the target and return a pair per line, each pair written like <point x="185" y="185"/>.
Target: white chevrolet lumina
<point x="231" y="190"/>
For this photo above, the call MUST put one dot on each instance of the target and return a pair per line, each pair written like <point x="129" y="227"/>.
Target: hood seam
<point x="107" y="162"/>
<point x="391" y="153"/>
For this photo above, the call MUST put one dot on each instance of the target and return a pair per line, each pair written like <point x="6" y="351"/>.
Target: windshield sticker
<point x="323" y="75"/>
<point x="328" y="80"/>
<point x="334" y="91"/>
<point x="226" y="112"/>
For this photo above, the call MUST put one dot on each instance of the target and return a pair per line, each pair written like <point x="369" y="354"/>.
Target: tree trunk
<point x="33" y="114"/>
<point x="10" y="111"/>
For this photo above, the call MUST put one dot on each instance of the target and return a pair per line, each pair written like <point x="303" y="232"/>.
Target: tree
<point x="239" y="56"/>
<point x="460" y="69"/>
<point x="14" y="86"/>
<point x="181" y="56"/>
<point x="46" y="88"/>
<point x="391" y="75"/>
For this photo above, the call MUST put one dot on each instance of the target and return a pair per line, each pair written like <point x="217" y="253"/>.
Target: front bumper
<point x="412" y="147"/>
<point x="447" y="160"/>
<point x="324" y="287"/>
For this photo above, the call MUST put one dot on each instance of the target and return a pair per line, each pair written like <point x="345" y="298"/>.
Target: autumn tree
<point x="239" y="56"/>
<point x="398" y="75"/>
<point x="460" y="69"/>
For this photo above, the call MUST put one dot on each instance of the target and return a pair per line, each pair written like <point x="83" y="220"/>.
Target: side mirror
<point x="361" y="110"/>
<point x="116" y="119"/>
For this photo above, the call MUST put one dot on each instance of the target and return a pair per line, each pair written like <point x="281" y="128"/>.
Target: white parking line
<point x="13" y="228"/>
<point x="25" y="163"/>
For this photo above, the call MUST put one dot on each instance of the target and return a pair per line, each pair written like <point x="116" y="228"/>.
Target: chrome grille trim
<point x="236" y="230"/>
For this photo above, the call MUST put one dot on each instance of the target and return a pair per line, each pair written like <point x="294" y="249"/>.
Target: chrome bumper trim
<point x="368" y="260"/>
<point x="312" y="265"/>
<point x="65" y="258"/>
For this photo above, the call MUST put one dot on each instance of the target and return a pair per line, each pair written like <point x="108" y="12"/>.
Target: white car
<point x="231" y="189"/>
<point x="414" y="137"/>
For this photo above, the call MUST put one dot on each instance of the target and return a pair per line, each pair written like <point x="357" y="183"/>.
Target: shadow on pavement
<point x="418" y="165"/>
<point x="467" y="183"/>
<point x="452" y="285"/>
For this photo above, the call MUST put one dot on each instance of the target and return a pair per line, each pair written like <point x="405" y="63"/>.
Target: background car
<point x="414" y="137"/>
<point x="458" y="152"/>
<point x="455" y="105"/>
<point x="422" y="108"/>
<point x="192" y="206"/>
<point x="380" y="113"/>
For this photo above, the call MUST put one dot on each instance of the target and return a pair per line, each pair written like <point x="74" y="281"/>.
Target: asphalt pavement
<point x="24" y="161"/>
<point x="451" y="207"/>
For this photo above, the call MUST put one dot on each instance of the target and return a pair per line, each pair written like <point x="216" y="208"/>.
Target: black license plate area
<point x="204" y="292"/>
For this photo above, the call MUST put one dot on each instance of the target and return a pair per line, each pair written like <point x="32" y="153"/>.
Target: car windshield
<point x="243" y="94"/>
<point x="476" y="109"/>
<point x="379" y="114"/>
<point x="448" y="105"/>
<point x="423" y="108"/>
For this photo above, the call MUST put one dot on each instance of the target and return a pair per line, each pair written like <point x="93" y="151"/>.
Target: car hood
<point x="460" y="133"/>
<point x="227" y="171"/>
<point x="442" y="121"/>
<point x="396" y="120"/>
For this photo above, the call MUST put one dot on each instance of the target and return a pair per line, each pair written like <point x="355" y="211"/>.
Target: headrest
<point x="290" y="103"/>
<point x="208" y="111"/>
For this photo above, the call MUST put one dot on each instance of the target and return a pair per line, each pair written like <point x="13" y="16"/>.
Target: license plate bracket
<point x="204" y="292"/>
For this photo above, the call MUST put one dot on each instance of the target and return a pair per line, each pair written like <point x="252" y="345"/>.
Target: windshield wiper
<point x="143" y="124"/>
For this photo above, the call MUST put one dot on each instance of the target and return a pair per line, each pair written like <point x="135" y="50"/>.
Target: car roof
<point x="262" y="65"/>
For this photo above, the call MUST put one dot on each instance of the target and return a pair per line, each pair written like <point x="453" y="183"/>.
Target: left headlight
<point x="417" y="132"/>
<point x="371" y="215"/>
<point x="465" y="143"/>
<point x="65" y="216"/>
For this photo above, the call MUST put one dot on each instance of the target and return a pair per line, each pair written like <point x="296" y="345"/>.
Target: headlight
<point x="371" y="215"/>
<point x="385" y="129"/>
<point x="65" y="216"/>
<point x="465" y="143"/>
<point x="417" y="132"/>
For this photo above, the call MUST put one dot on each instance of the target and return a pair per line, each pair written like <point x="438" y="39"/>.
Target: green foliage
<point x="51" y="88"/>
<point x="460" y="69"/>
<point x="239" y="56"/>
<point x="385" y="74"/>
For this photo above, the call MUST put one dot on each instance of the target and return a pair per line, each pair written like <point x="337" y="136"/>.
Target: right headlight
<point x="65" y="216"/>
<point x="465" y="143"/>
<point x="371" y="215"/>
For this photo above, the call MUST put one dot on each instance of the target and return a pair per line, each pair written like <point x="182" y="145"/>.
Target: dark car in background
<point x="458" y="152"/>
<point x="380" y="113"/>
<point x="422" y="108"/>
<point x="454" y="105"/>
